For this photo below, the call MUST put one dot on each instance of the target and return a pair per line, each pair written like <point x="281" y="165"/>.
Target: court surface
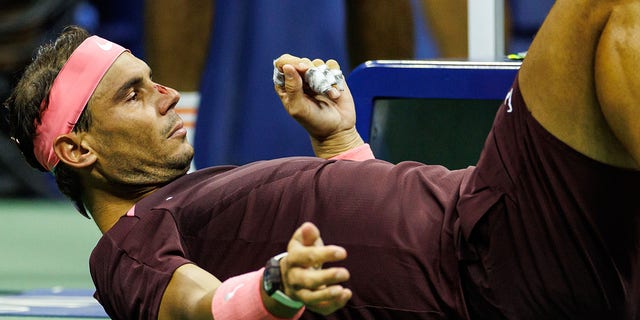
<point x="44" y="252"/>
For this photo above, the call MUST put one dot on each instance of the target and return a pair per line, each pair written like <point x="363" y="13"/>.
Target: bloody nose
<point x="162" y="89"/>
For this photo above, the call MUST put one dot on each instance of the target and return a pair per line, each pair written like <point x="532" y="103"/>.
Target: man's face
<point x="135" y="132"/>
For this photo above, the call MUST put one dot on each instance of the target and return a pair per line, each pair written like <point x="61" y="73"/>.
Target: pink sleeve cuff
<point x="239" y="298"/>
<point x="360" y="153"/>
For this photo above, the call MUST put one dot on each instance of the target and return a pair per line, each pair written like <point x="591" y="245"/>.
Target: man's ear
<point x="69" y="149"/>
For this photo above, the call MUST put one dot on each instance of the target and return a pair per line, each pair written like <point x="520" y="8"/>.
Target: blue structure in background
<point x="436" y="112"/>
<point x="426" y="80"/>
<point x="527" y="16"/>
<point x="240" y="118"/>
<point x="121" y="21"/>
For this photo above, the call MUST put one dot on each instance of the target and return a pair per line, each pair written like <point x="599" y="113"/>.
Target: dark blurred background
<point x="221" y="53"/>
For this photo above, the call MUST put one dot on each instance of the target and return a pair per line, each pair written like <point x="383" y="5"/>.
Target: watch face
<point x="271" y="279"/>
<point x="268" y="286"/>
<point x="272" y="283"/>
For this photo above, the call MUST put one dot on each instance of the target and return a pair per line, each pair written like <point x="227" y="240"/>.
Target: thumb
<point x="310" y="235"/>
<point x="292" y="81"/>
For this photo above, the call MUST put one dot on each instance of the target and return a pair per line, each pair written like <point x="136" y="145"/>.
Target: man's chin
<point x="183" y="162"/>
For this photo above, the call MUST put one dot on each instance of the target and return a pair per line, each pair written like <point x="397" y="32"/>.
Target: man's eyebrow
<point x="122" y="92"/>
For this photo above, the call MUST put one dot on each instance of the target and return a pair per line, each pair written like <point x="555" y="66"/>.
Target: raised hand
<point x="328" y="117"/>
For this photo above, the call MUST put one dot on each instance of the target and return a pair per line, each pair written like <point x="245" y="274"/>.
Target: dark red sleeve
<point x="133" y="263"/>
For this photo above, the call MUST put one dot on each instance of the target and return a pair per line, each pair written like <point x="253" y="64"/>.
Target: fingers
<point x="333" y="91"/>
<point x="312" y="256"/>
<point x="306" y="248"/>
<point x="309" y="235"/>
<point x="286" y="59"/>
<point x="302" y="65"/>
<point x="303" y="278"/>
<point x="335" y="293"/>
<point x="327" y="300"/>
<point x="332" y="64"/>
<point x="314" y="279"/>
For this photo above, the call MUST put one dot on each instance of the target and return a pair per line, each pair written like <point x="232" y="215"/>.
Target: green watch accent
<point x="285" y="300"/>
<point x="272" y="283"/>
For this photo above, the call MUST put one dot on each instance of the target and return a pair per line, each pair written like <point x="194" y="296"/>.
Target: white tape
<point x="320" y="79"/>
<point x="278" y="77"/>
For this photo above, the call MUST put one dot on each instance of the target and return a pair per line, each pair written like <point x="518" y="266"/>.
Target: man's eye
<point x="133" y="96"/>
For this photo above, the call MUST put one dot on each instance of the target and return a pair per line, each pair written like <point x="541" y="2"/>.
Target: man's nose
<point x="168" y="97"/>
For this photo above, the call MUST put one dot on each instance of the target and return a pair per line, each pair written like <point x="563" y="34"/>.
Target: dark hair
<point x="31" y="96"/>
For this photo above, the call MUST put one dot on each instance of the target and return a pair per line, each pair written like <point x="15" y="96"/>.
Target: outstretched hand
<point x="328" y="117"/>
<point x="302" y="274"/>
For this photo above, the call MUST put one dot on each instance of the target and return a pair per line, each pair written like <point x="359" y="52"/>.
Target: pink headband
<point x="70" y="93"/>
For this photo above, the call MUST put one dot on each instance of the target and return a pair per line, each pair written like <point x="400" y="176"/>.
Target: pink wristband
<point x="239" y="298"/>
<point x="360" y="153"/>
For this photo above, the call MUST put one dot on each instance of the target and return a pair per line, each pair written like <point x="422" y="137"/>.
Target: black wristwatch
<point x="272" y="283"/>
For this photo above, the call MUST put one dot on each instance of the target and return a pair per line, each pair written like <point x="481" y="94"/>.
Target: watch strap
<point x="273" y="285"/>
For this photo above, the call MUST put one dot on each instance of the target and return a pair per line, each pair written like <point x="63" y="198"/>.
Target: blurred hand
<point x="302" y="274"/>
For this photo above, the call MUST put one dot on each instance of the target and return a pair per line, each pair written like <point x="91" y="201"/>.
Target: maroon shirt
<point x="231" y="220"/>
<point x="536" y="231"/>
